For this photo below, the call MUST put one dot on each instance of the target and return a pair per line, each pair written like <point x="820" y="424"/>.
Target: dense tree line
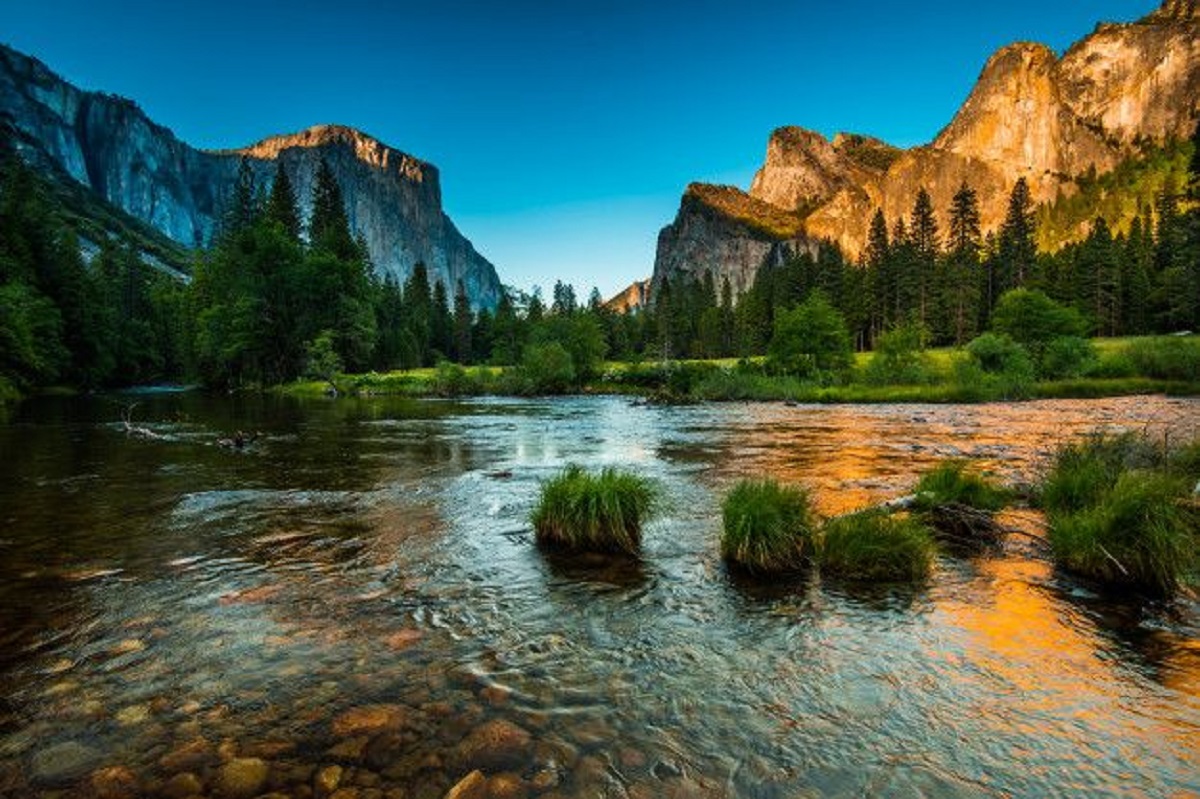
<point x="274" y="299"/>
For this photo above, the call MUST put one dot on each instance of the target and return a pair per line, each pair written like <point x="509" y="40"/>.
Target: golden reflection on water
<point x="852" y="456"/>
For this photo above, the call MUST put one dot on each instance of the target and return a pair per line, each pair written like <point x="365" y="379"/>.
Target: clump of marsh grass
<point x="1121" y="510"/>
<point x="960" y="503"/>
<point x="878" y="546"/>
<point x="956" y="482"/>
<point x="768" y="527"/>
<point x="1141" y="532"/>
<point x="593" y="512"/>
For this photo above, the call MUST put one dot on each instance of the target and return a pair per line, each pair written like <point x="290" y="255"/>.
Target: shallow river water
<point x="358" y="587"/>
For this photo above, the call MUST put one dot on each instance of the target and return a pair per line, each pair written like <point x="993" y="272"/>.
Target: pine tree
<point x="243" y="206"/>
<point x="441" y="322"/>
<point x="1017" y="254"/>
<point x="463" y="322"/>
<point x="329" y="227"/>
<point x="281" y="204"/>
<point x="876" y="260"/>
<point x="962" y="275"/>
<point x="923" y="239"/>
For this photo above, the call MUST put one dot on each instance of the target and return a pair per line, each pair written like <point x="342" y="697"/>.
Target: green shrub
<point x="547" y="369"/>
<point x="767" y="527"/>
<point x="1142" y="532"/>
<point x="994" y="367"/>
<point x="874" y="545"/>
<point x="1167" y="358"/>
<point x="1113" y="365"/>
<point x="1067" y="357"/>
<point x="452" y="380"/>
<point x="955" y="482"/>
<point x="1033" y="320"/>
<point x="589" y="512"/>
<point x="810" y="340"/>
<point x="900" y="358"/>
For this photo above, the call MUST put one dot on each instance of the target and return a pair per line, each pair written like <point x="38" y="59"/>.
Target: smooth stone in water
<point x="327" y="780"/>
<point x="495" y="746"/>
<point x="62" y="763"/>
<point x="114" y="782"/>
<point x="241" y="778"/>
<point x="182" y="786"/>
<point x="507" y="786"/>
<point x="370" y="719"/>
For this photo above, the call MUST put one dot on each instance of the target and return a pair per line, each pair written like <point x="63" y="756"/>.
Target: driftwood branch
<point x="1109" y="555"/>
<point x="137" y="430"/>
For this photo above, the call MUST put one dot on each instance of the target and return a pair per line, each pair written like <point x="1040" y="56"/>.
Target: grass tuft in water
<point x="768" y="527"/>
<point x="1083" y="472"/>
<point x="955" y="482"/>
<point x="593" y="512"/>
<point x="877" y="546"/>
<point x="1141" y="531"/>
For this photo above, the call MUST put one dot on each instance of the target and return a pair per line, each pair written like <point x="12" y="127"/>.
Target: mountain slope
<point x="1053" y="121"/>
<point x="108" y="145"/>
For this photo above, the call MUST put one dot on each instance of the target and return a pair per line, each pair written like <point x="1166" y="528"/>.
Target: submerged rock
<point x="62" y="763"/>
<point x="495" y="746"/>
<point x="181" y="786"/>
<point x="241" y="778"/>
<point x="115" y="782"/>
<point x="370" y="719"/>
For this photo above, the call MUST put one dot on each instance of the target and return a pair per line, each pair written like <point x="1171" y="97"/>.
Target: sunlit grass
<point x="768" y="527"/>
<point x="593" y="512"/>
<point x="876" y="546"/>
<point x="958" y="482"/>
<point x="1142" y="531"/>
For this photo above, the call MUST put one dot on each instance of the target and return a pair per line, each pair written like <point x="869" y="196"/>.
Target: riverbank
<point x="1119" y="367"/>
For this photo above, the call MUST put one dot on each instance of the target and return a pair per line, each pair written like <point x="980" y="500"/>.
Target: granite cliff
<point x="108" y="145"/>
<point x="1031" y="114"/>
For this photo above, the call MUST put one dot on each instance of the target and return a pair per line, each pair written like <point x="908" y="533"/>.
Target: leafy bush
<point x="955" y="482"/>
<point x="810" y="339"/>
<point x="900" y="358"/>
<point x="874" y="545"/>
<point x="452" y="380"/>
<point x="1067" y="357"/>
<point x="767" y="527"/>
<point x="1033" y="320"/>
<point x="994" y="366"/>
<point x="547" y="369"/>
<point x="1142" y="531"/>
<point x="322" y="362"/>
<point x="593" y="512"/>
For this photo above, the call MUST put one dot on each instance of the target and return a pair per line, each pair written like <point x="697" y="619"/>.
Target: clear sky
<point x="565" y="131"/>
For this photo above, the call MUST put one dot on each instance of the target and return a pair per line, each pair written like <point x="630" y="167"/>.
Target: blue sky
<point x="565" y="131"/>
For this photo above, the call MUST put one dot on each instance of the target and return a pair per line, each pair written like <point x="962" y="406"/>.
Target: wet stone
<point x="370" y="719"/>
<point x="62" y="763"/>
<point x="327" y="780"/>
<point x="188" y="756"/>
<point x="506" y="786"/>
<point x="114" y="782"/>
<point x="495" y="746"/>
<point x="241" y="778"/>
<point x="182" y="786"/>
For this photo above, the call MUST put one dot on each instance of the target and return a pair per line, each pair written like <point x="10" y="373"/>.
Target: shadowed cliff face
<point x="109" y="145"/>
<point x="1031" y="114"/>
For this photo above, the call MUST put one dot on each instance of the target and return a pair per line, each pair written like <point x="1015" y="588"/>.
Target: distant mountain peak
<point x="366" y="148"/>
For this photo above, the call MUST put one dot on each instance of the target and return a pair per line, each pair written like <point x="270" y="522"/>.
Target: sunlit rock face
<point x="108" y="144"/>
<point x="728" y="234"/>
<point x="1031" y="115"/>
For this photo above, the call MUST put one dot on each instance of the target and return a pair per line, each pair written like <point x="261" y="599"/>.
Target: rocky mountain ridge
<point x="1031" y="114"/>
<point x="110" y="146"/>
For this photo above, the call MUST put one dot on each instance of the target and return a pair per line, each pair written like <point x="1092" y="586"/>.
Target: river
<point x="358" y="587"/>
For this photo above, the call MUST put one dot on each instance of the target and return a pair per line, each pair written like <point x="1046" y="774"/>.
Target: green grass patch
<point x="593" y="512"/>
<point x="1084" y="471"/>
<point x="1141" y="532"/>
<point x="877" y="546"/>
<point x="768" y="527"/>
<point x="957" y="482"/>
